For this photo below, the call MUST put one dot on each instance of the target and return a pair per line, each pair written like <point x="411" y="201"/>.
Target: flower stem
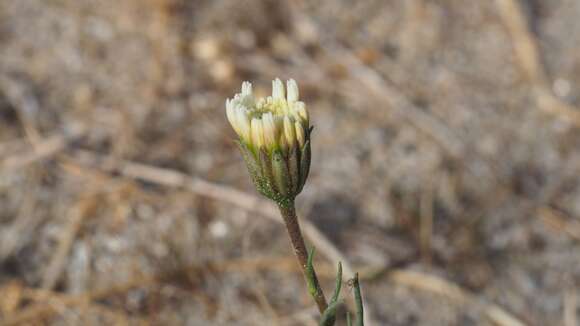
<point x="289" y="215"/>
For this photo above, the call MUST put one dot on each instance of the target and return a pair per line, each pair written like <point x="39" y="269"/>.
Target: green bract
<point x="278" y="175"/>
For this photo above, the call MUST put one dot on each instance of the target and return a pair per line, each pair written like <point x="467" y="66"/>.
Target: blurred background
<point x="446" y="158"/>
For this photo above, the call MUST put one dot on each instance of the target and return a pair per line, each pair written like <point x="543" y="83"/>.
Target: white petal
<point x="257" y="133"/>
<point x="293" y="113"/>
<point x="300" y="108"/>
<point x="299" y="133"/>
<point x="246" y="88"/>
<point x="269" y="129"/>
<point x="292" y="89"/>
<point x="230" y="113"/>
<point x="277" y="89"/>
<point x="289" y="131"/>
<point x="243" y="123"/>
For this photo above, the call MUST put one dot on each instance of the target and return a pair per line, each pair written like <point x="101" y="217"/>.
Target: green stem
<point x="289" y="215"/>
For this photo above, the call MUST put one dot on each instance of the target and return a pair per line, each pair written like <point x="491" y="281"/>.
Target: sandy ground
<point x="446" y="156"/>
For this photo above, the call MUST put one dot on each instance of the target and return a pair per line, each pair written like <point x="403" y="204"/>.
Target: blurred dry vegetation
<point x="445" y="164"/>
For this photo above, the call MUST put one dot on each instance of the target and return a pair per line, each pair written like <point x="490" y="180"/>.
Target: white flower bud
<point x="246" y="88"/>
<point x="231" y="114"/>
<point x="269" y="130"/>
<point x="274" y="134"/>
<point x="292" y="90"/>
<point x="300" y="109"/>
<point x="257" y="133"/>
<point x="242" y="123"/>
<point x="289" y="131"/>
<point x="277" y="89"/>
<point x="300" y="137"/>
<point x="270" y="122"/>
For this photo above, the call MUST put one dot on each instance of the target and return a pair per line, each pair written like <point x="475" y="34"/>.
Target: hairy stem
<point x="289" y="215"/>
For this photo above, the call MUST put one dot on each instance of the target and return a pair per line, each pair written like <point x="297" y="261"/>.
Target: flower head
<point x="274" y="137"/>
<point x="275" y="122"/>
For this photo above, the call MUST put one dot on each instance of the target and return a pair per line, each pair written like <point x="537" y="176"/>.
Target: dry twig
<point x="211" y="190"/>
<point x="48" y="303"/>
<point x="57" y="263"/>
<point x="204" y="188"/>
<point x="557" y="221"/>
<point x="43" y="149"/>
<point x="528" y="55"/>
<point x="443" y="287"/>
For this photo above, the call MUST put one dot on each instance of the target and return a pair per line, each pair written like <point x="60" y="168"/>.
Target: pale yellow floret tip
<point x="279" y="121"/>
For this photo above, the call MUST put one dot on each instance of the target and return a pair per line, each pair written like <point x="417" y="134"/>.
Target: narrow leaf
<point x="310" y="276"/>
<point x="358" y="302"/>
<point x="338" y="284"/>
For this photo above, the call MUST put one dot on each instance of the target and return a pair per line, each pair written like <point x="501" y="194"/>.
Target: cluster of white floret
<point x="279" y="121"/>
